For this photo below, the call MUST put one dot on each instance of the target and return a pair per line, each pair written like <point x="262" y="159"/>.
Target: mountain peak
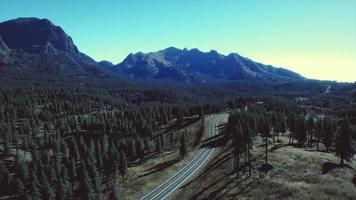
<point x="35" y="35"/>
<point x="171" y="49"/>
<point x="31" y="45"/>
<point x="198" y="65"/>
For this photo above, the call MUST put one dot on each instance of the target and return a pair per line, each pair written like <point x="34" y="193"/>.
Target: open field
<point x="296" y="174"/>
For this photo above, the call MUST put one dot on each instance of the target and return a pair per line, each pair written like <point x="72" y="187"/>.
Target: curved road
<point x="167" y="187"/>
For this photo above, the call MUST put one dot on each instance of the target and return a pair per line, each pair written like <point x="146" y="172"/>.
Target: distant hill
<point x="194" y="65"/>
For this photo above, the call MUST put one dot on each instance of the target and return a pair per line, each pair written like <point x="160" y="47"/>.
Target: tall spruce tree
<point x="328" y="134"/>
<point x="343" y="142"/>
<point x="122" y="165"/>
<point x="183" y="151"/>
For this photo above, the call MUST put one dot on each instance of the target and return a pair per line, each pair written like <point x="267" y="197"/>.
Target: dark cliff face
<point x="196" y="65"/>
<point x="35" y="35"/>
<point x="37" y="47"/>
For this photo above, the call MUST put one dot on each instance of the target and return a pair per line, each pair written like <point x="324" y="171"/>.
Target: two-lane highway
<point x="167" y="187"/>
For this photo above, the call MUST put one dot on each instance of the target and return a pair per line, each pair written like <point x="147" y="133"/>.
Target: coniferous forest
<point x="75" y="142"/>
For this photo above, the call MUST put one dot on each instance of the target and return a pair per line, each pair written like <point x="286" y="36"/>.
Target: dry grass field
<point x="296" y="174"/>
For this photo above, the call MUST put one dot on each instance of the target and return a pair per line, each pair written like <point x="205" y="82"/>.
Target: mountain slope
<point x="199" y="66"/>
<point x="35" y="47"/>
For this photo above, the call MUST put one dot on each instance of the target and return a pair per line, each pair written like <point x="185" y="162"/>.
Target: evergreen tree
<point x="162" y="143"/>
<point x="105" y="145"/>
<point x="86" y="187"/>
<point x="319" y="130"/>
<point x="237" y="146"/>
<point x="115" y="193"/>
<point x="23" y="171"/>
<point x="7" y="141"/>
<point x="34" y="187"/>
<point x="291" y="126"/>
<point x="64" y="189"/>
<point x="73" y="169"/>
<point x="158" y="145"/>
<point x="300" y="133"/>
<point x="45" y="188"/>
<point x="19" y="188"/>
<point x="139" y="147"/>
<point x="5" y="179"/>
<point x="123" y="165"/>
<point x="183" y="145"/>
<point x="310" y="129"/>
<point x="343" y="142"/>
<point x="266" y="132"/>
<point x="328" y="135"/>
<point x="248" y="145"/>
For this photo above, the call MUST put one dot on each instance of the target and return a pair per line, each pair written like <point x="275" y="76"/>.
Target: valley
<point x="167" y="124"/>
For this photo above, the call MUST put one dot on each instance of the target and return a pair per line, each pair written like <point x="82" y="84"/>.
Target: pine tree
<point x="73" y="170"/>
<point x="301" y="134"/>
<point x="291" y="125"/>
<point x="237" y="146"/>
<point x="123" y="165"/>
<point x="328" y="135"/>
<point x="64" y="188"/>
<point x="162" y="143"/>
<point x="343" y="142"/>
<point x="158" y="145"/>
<point x="23" y="171"/>
<point x="319" y="130"/>
<point x="248" y="145"/>
<point x="34" y="187"/>
<point x="5" y="179"/>
<point x="115" y="193"/>
<point x="310" y="129"/>
<point x="7" y="141"/>
<point x="266" y="132"/>
<point x="86" y="188"/>
<point x="45" y="188"/>
<point x="105" y="145"/>
<point x="19" y="188"/>
<point x="183" y="146"/>
<point x="139" y="147"/>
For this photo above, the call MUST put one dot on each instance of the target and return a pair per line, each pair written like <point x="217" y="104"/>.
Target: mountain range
<point x="37" y="46"/>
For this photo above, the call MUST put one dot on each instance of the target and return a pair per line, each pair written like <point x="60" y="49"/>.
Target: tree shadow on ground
<point x="218" y="140"/>
<point x="175" y="126"/>
<point x="277" y="147"/>
<point x="265" y="167"/>
<point x="147" y="157"/>
<point x="328" y="166"/>
<point x="159" y="167"/>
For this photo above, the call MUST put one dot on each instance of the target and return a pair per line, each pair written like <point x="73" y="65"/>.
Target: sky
<point x="316" y="38"/>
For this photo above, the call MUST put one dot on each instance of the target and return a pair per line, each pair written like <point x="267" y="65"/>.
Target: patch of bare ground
<point x="296" y="174"/>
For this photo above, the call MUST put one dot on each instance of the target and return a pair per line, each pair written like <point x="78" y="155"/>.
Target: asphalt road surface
<point x="174" y="182"/>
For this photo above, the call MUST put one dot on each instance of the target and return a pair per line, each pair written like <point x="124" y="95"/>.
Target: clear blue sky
<point x="316" y="38"/>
